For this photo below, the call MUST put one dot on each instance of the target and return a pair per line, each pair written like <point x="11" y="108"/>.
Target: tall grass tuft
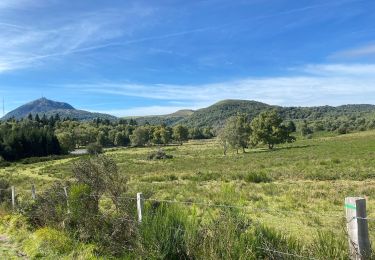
<point x="163" y="233"/>
<point x="267" y="243"/>
<point x="328" y="245"/>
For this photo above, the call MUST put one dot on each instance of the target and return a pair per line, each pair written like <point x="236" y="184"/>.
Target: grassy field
<point x="303" y="184"/>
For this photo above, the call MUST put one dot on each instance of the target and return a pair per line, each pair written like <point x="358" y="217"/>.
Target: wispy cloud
<point x="24" y="46"/>
<point x="356" y="52"/>
<point x="347" y="70"/>
<point x="17" y="4"/>
<point x="143" y="111"/>
<point x="99" y="31"/>
<point x="332" y="84"/>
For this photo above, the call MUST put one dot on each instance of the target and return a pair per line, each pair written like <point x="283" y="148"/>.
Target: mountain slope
<point x="49" y="107"/>
<point x="215" y="115"/>
<point x="170" y="119"/>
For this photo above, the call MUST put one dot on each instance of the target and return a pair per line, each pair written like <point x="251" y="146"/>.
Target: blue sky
<point x="155" y="57"/>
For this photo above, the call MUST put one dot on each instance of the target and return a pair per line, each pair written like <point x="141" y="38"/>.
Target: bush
<point x="4" y="163"/>
<point x="84" y="219"/>
<point x="81" y="204"/>
<point x="94" y="148"/>
<point x="49" y="207"/>
<point x="113" y="233"/>
<point x="342" y="130"/>
<point x="101" y="174"/>
<point x="159" y="155"/>
<point x="5" y="192"/>
<point x="257" y="177"/>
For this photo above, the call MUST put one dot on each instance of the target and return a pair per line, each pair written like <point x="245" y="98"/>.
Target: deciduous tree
<point x="267" y="129"/>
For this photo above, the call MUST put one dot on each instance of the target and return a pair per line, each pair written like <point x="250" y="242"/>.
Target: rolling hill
<point x="49" y="107"/>
<point x="169" y="119"/>
<point x="215" y="115"/>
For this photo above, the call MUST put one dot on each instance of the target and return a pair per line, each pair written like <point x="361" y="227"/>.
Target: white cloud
<point x="325" y="84"/>
<point x="25" y="46"/>
<point x="342" y="69"/>
<point x="143" y="111"/>
<point x="356" y="52"/>
<point x="16" y="4"/>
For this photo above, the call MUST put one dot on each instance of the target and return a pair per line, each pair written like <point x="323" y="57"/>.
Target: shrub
<point x="101" y="174"/>
<point x="118" y="234"/>
<point x="159" y="155"/>
<point x="94" y="148"/>
<point x="81" y="204"/>
<point x="49" y="207"/>
<point x="257" y="177"/>
<point x="85" y="222"/>
<point x="4" y="163"/>
<point x="5" y="192"/>
<point x="342" y="130"/>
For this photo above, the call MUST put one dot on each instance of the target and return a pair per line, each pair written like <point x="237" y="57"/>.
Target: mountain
<point x="170" y="119"/>
<point x="215" y="115"/>
<point x="212" y="116"/>
<point x="49" y="107"/>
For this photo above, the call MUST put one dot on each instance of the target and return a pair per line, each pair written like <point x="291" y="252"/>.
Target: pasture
<point x="296" y="188"/>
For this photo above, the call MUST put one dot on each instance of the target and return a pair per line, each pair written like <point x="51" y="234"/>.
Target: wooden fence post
<point x="139" y="206"/>
<point x="66" y="196"/>
<point x="13" y="197"/>
<point x="33" y="192"/>
<point x="359" y="242"/>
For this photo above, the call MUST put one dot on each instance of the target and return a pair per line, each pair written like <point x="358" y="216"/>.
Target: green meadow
<point x="303" y="184"/>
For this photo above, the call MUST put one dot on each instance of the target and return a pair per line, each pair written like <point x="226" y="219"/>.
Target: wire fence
<point x="334" y="215"/>
<point x="284" y="212"/>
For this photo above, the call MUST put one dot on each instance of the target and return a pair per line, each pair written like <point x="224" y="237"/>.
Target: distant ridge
<point x="44" y="106"/>
<point x="169" y="119"/>
<point x="215" y="115"/>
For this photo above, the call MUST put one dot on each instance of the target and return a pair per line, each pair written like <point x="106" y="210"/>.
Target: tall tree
<point x="267" y="129"/>
<point x="140" y="136"/>
<point x="235" y="133"/>
<point x="180" y="133"/>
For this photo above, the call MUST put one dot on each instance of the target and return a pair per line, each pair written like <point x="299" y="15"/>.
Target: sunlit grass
<point x="303" y="184"/>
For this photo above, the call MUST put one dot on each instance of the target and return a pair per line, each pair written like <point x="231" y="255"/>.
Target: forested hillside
<point x="170" y="119"/>
<point x="216" y="115"/>
<point x="344" y="118"/>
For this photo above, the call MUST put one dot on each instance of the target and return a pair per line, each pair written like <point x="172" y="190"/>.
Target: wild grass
<point x="303" y="184"/>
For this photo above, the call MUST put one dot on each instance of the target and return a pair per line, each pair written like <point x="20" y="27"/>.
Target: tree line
<point x="37" y="136"/>
<point x="27" y="139"/>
